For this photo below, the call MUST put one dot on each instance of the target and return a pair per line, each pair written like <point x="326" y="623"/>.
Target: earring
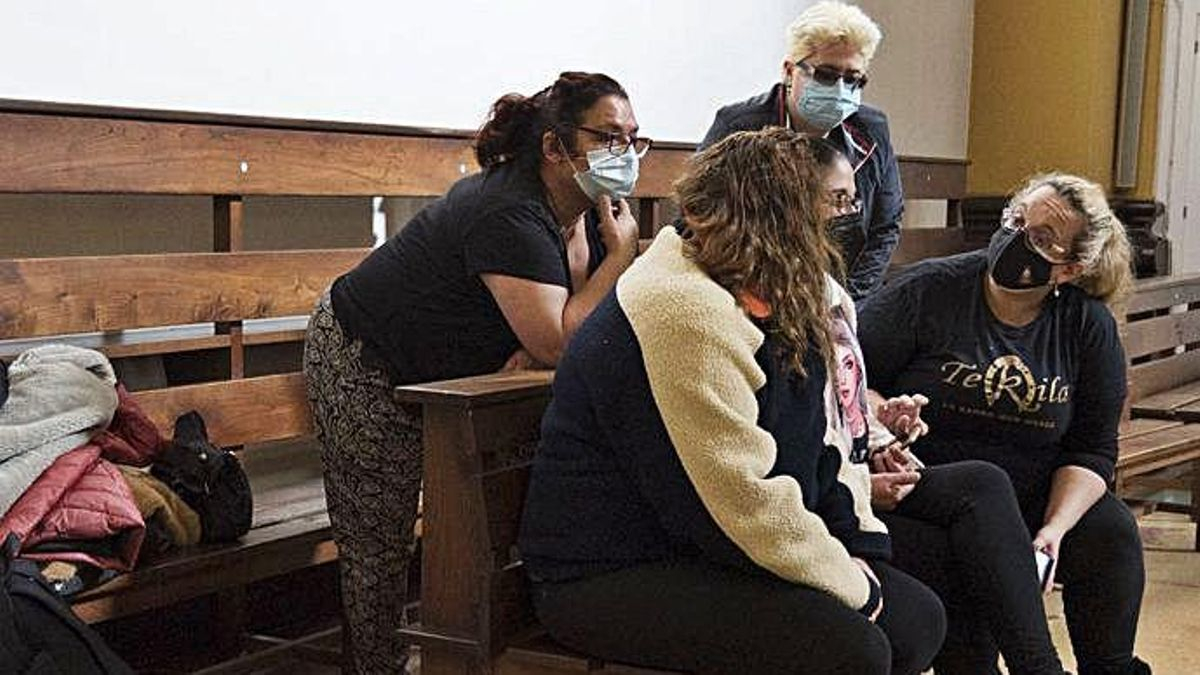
<point x="1056" y="289"/>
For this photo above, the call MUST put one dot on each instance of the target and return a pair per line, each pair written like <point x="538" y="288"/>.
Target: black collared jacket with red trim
<point x="865" y="140"/>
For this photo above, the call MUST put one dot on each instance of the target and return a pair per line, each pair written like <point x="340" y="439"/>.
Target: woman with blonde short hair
<point x="691" y="506"/>
<point x="824" y="72"/>
<point x="1017" y="349"/>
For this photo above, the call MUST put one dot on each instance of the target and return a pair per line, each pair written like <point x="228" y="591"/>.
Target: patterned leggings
<point x="371" y="452"/>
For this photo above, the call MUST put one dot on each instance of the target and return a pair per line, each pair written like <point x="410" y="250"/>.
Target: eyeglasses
<point x="844" y="203"/>
<point x="619" y="144"/>
<point x="1040" y="239"/>
<point x="828" y="75"/>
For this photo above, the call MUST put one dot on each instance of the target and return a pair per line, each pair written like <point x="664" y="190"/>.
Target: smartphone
<point x="1044" y="564"/>
<point x="909" y="440"/>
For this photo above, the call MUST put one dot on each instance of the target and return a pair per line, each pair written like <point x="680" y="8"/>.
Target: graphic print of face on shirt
<point x="850" y="386"/>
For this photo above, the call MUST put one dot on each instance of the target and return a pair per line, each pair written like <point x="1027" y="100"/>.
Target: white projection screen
<point x="427" y="64"/>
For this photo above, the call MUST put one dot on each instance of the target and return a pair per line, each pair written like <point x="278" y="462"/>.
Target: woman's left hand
<point x="522" y="360"/>
<point x="902" y="416"/>
<point x="1048" y="540"/>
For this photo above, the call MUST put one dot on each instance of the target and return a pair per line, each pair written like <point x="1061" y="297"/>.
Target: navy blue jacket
<point x="675" y="431"/>
<point x="864" y="135"/>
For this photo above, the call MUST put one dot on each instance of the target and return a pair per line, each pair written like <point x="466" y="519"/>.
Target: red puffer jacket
<point x="81" y="508"/>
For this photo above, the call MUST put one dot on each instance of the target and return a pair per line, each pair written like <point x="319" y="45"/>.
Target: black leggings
<point x="962" y="532"/>
<point x="692" y="616"/>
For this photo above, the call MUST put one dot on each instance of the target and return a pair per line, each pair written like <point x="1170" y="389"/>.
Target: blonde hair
<point x="1102" y="247"/>
<point x="828" y="23"/>
<point x="753" y="204"/>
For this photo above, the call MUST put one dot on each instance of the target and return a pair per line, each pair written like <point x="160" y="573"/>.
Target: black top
<point x="1030" y="399"/>
<point x="418" y="302"/>
<point x="864" y="138"/>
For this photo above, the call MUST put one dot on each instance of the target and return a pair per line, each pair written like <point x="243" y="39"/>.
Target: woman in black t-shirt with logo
<point x="497" y="274"/>
<point x="1018" y="352"/>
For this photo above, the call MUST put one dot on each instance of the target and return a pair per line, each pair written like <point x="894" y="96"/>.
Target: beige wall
<point x="921" y="77"/>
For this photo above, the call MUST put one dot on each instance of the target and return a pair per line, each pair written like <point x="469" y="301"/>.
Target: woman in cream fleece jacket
<point x="693" y="505"/>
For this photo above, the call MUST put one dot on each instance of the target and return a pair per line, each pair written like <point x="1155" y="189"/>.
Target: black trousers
<point x="963" y="533"/>
<point x="692" y="616"/>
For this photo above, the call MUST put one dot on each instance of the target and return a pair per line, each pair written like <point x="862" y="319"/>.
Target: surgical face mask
<point x="609" y="174"/>
<point x="826" y="105"/>
<point x="1013" y="265"/>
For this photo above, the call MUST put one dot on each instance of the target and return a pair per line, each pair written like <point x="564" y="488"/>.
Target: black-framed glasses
<point x="844" y="203"/>
<point x="1040" y="239"/>
<point x="828" y="75"/>
<point x="619" y="144"/>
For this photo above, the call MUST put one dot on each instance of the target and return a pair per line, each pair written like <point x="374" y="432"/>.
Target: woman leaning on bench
<point x="497" y="274"/>
<point x="689" y="507"/>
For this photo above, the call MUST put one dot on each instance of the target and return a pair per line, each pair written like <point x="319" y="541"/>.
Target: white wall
<point x="921" y="77"/>
<point x="437" y="64"/>
<point x="440" y="64"/>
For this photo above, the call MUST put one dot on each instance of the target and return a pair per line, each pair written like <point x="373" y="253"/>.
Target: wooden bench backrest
<point x="246" y="156"/>
<point x="60" y="296"/>
<point x="1161" y="334"/>
<point x="65" y="296"/>
<point x="61" y="148"/>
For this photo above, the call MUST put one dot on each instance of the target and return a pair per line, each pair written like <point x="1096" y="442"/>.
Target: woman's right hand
<point x="618" y="231"/>
<point x="889" y="489"/>
<point x="871" y="575"/>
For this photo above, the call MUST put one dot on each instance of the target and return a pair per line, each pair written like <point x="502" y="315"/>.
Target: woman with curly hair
<point x="689" y="507"/>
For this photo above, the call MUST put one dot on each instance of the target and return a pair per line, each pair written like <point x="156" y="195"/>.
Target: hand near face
<point x="618" y="229"/>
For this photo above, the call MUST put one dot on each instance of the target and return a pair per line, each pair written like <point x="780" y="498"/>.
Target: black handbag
<point x="39" y="634"/>
<point x="208" y="479"/>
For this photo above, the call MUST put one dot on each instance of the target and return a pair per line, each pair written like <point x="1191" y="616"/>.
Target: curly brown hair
<point x="753" y="205"/>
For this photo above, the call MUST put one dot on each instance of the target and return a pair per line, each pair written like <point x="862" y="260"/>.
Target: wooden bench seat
<point x="265" y="415"/>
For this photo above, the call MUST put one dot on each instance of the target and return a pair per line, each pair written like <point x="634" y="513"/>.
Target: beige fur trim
<point x="698" y="347"/>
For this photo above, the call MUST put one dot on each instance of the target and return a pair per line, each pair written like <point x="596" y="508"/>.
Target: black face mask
<point x="847" y="234"/>
<point x="1013" y="265"/>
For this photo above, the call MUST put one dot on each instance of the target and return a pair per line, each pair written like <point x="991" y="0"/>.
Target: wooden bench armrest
<point x="480" y="390"/>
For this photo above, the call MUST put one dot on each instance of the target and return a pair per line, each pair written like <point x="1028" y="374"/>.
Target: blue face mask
<point x="609" y="174"/>
<point x="826" y="105"/>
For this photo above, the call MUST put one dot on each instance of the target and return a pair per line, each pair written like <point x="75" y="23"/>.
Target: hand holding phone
<point x="1045" y="563"/>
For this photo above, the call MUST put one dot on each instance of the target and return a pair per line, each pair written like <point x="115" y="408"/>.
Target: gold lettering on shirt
<point x="1007" y="377"/>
